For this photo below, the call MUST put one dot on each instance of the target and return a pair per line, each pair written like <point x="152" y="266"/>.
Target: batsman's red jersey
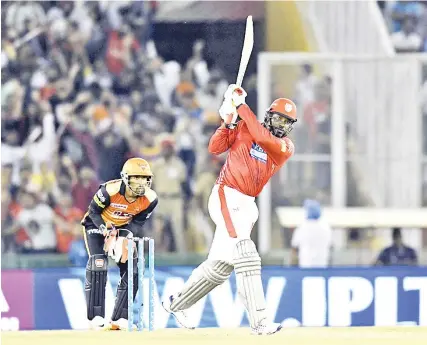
<point x="255" y="154"/>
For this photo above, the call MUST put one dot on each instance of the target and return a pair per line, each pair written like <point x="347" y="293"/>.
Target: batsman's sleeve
<point x="222" y="140"/>
<point x="276" y="148"/>
<point x="99" y="202"/>
<point x="139" y="220"/>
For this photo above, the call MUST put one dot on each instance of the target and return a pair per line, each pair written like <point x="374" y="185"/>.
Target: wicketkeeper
<point x="119" y="206"/>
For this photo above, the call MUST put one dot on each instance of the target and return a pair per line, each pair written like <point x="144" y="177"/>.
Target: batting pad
<point x="247" y="265"/>
<point x="210" y="274"/>
<point x="96" y="280"/>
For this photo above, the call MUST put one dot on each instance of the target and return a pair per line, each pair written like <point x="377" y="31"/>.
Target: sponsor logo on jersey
<point x="121" y="215"/>
<point x="258" y="153"/>
<point x="95" y="231"/>
<point x="98" y="202"/>
<point x="123" y="207"/>
<point x="100" y="195"/>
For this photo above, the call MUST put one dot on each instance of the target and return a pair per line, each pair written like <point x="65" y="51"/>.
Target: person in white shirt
<point x="305" y="86"/>
<point x="407" y="40"/>
<point x="311" y="240"/>
<point x="38" y="221"/>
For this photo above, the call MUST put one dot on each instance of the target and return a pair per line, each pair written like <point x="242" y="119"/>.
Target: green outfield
<point x="210" y="336"/>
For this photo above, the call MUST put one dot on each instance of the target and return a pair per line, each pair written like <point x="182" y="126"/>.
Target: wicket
<point x="151" y="281"/>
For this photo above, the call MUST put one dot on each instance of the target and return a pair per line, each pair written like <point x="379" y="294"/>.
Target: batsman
<point x="119" y="207"/>
<point x="256" y="151"/>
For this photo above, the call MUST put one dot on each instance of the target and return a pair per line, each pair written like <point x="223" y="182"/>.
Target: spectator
<point x="85" y="188"/>
<point x="20" y="12"/>
<point x="403" y="10"/>
<point x="113" y="150"/>
<point x="312" y="240"/>
<point x="318" y="121"/>
<point x="201" y="225"/>
<point x="11" y="152"/>
<point x="121" y="47"/>
<point x="78" y="141"/>
<point x="407" y="39"/>
<point x="398" y="253"/>
<point x="305" y="86"/>
<point x="7" y="238"/>
<point x="144" y="143"/>
<point x="170" y="174"/>
<point x="162" y="233"/>
<point x="68" y="222"/>
<point x="37" y="220"/>
<point x="166" y="77"/>
<point x="212" y="95"/>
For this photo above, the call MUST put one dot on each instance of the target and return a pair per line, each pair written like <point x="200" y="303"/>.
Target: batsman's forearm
<point x="220" y="141"/>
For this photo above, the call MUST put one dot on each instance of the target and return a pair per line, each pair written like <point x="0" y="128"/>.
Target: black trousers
<point x="94" y="240"/>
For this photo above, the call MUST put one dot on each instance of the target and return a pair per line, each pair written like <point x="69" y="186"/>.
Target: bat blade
<point x="248" y="45"/>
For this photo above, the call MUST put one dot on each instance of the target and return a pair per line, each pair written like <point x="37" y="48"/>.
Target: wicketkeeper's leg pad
<point x="96" y="280"/>
<point x="121" y="304"/>
<point x="247" y="265"/>
<point x="206" y="277"/>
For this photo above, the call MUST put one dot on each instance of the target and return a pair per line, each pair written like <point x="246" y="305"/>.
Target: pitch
<point x="211" y="336"/>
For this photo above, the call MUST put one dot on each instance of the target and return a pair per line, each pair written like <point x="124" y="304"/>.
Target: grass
<point x="211" y="336"/>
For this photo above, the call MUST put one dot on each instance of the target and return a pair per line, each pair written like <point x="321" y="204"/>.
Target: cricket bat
<point x="248" y="45"/>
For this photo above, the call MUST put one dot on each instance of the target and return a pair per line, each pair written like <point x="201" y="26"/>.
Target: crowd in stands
<point x="84" y="89"/>
<point x="407" y="22"/>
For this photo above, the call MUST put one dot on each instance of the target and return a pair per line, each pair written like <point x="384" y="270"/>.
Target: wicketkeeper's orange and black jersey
<point x="109" y="205"/>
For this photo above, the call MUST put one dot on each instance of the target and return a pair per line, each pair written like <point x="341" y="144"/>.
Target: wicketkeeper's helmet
<point x="136" y="167"/>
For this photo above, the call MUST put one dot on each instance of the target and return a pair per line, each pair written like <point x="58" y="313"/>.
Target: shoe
<point x="265" y="328"/>
<point x="180" y="315"/>
<point x="121" y="325"/>
<point x="97" y="323"/>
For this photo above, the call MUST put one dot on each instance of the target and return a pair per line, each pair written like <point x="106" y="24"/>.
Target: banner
<point x="307" y="297"/>
<point x="17" y="300"/>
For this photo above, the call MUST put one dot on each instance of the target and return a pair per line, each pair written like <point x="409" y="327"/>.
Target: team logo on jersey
<point x="258" y="153"/>
<point x="123" y="207"/>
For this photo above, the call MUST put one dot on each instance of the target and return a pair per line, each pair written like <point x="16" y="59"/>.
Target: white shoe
<point x="121" y="325"/>
<point x="97" y="323"/>
<point x="179" y="315"/>
<point x="265" y="328"/>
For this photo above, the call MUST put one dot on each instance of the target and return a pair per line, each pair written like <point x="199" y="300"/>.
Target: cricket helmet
<point x="136" y="167"/>
<point x="280" y="117"/>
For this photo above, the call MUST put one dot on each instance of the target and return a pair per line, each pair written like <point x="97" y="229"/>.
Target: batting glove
<point x="237" y="95"/>
<point x="228" y="112"/>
